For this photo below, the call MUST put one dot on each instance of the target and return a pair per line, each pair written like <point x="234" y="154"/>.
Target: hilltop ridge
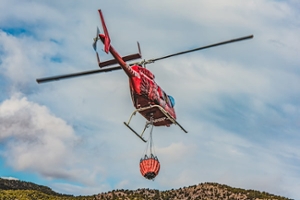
<point x="15" y="184"/>
<point x="209" y="191"/>
<point x="16" y="189"/>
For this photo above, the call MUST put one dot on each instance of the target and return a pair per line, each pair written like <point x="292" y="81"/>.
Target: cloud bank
<point x="34" y="139"/>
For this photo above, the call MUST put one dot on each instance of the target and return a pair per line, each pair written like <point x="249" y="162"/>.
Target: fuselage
<point x="146" y="92"/>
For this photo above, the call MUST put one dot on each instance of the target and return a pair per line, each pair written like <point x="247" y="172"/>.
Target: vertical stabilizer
<point x="107" y="38"/>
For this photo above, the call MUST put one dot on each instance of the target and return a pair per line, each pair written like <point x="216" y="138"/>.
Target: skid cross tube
<point x="167" y="116"/>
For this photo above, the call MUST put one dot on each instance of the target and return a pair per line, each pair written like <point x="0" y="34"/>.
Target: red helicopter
<point x="149" y="99"/>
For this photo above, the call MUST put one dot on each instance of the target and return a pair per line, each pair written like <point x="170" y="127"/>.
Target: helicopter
<point x="148" y="98"/>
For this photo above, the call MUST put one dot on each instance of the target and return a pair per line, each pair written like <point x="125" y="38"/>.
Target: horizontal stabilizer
<point x="125" y="58"/>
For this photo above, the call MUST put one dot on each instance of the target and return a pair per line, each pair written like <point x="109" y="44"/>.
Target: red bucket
<point x="149" y="167"/>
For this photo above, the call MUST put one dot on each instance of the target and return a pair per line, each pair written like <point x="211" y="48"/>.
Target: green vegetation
<point x="6" y="184"/>
<point x="202" y="191"/>
<point x="36" y="195"/>
<point x="20" y="190"/>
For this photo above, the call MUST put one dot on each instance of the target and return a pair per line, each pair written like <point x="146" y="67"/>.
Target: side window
<point x="172" y="101"/>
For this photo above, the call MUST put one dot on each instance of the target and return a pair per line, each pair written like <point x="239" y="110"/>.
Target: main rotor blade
<point x="205" y="47"/>
<point x="65" y="76"/>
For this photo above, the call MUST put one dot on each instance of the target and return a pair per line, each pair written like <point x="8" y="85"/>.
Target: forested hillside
<point x="21" y="190"/>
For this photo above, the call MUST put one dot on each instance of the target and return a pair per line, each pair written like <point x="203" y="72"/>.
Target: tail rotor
<point x="96" y="39"/>
<point x="95" y="45"/>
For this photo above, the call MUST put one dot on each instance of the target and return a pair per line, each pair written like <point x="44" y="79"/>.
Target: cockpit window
<point x="172" y="101"/>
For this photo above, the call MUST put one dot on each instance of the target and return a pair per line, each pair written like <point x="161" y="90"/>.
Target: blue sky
<point x="240" y="102"/>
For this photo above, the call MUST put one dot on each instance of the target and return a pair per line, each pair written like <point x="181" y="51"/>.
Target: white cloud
<point x="9" y="178"/>
<point x="34" y="139"/>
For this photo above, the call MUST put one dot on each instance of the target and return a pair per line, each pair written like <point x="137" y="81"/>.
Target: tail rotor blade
<point x="98" y="31"/>
<point x="98" y="58"/>
<point x="95" y="46"/>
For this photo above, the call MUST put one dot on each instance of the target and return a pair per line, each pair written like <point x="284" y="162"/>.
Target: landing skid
<point x="152" y="121"/>
<point x="140" y="136"/>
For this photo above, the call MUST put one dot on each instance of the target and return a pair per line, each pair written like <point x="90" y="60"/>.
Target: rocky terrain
<point x="207" y="191"/>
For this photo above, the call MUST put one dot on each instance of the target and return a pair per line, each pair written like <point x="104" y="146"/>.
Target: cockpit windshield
<point x="172" y="101"/>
